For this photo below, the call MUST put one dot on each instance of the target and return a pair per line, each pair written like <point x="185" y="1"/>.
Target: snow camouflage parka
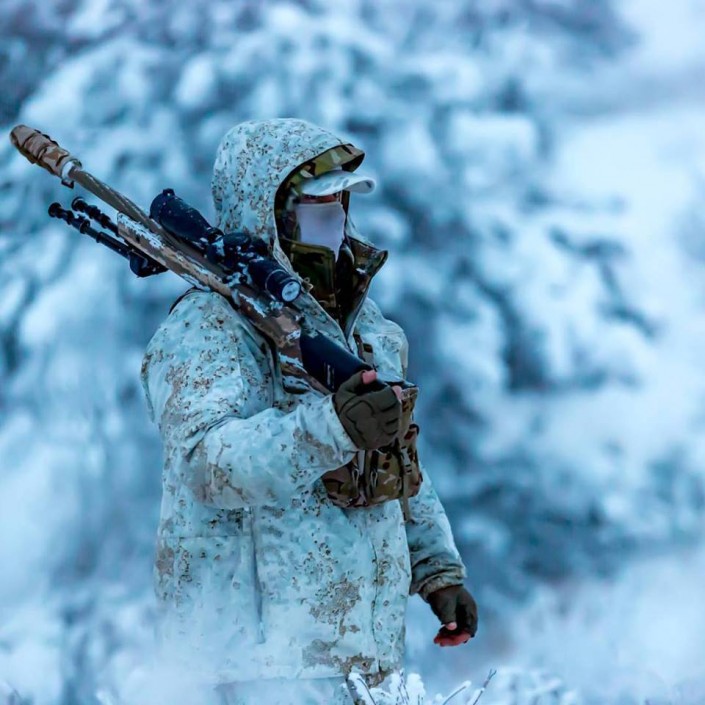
<point x="258" y="574"/>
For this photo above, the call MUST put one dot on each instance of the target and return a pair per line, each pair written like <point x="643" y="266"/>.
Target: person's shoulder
<point x="207" y="309"/>
<point x="200" y="317"/>
<point x="199" y="303"/>
<point x="372" y="320"/>
<point x="386" y="338"/>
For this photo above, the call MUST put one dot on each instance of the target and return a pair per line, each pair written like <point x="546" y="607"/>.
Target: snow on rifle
<point x="176" y="237"/>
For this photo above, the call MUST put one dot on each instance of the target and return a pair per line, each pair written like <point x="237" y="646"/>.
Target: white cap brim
<point x="337" y="180"/>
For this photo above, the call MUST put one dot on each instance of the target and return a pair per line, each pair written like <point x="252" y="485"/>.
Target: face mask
<point x="322" y="224"/>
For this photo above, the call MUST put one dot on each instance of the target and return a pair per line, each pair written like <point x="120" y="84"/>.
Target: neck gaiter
<point x="322" y="224"/>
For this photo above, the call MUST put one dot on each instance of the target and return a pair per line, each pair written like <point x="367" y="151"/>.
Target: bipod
<point x="140" y="265"/>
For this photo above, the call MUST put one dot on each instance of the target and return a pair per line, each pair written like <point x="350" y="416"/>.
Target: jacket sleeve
<point x="435" y="560"/>
<point x="209" y="385"/>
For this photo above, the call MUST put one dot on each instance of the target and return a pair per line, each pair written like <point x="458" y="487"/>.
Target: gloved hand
<point x="457" y="610"/>
<point x="370" y="412"/>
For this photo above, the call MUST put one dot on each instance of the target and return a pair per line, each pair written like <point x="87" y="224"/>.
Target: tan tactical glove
<point x="370" y="412"/>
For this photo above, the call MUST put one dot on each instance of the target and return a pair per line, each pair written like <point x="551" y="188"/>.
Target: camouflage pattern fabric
<point x="258" y="573"/>
<point x="345" y="157"/>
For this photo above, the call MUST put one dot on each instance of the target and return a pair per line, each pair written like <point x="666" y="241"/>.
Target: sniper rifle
<point x="176" y="237"/>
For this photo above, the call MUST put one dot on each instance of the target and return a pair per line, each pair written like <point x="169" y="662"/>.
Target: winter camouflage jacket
<point x="259" y="575"/>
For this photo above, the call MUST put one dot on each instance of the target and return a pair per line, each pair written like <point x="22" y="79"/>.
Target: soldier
<point x="294" y="524"/>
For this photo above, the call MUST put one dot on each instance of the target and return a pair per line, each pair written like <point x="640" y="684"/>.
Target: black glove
<point x="454" y="604"/>
<point x="370" y="413"/>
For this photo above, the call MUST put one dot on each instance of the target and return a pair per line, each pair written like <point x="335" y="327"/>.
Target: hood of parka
<point x="256" y="163"/>
<point x="255" y="158"/>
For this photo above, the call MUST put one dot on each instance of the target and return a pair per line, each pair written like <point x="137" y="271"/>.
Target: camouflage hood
<point x="255" y="165"/>
<point x="255" y="158"/>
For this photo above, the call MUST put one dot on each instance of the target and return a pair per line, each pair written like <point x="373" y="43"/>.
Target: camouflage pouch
<point x="377" y="476"/>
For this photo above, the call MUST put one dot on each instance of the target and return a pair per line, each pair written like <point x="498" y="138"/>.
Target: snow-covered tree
<point x="539" y="349"/>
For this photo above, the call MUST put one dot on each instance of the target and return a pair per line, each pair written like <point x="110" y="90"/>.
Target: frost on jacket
<point x="258" y="574"/>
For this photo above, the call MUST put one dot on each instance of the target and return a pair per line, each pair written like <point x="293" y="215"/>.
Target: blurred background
<point x="541" y="170"/>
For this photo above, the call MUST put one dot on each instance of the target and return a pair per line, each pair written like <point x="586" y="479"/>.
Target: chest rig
<point x="389" y="473"/>
<point x="340" y="287"/>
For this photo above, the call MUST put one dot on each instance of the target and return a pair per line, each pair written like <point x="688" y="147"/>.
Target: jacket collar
<point x="366" y="261"/>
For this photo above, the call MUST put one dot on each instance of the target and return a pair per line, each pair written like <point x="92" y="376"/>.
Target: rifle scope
<point x="236" y="252"/>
